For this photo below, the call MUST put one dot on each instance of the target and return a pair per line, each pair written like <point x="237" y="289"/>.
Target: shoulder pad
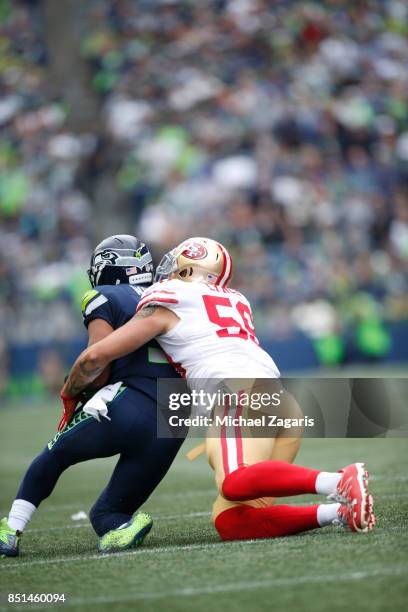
<point x="162" y="293"/>
<point x="91" y="300"/>
<point x="88" y="296"/>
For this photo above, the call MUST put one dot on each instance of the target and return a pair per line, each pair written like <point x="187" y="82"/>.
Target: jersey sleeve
<point x="164" y="293"/>
<point x="98" y="304"/>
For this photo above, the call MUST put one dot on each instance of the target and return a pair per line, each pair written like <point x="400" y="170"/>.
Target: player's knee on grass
<point x="231" y="523"/>
<point x="243" y="522"/>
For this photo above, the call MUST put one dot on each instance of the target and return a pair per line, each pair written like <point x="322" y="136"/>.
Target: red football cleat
<point x="356" y="508"/>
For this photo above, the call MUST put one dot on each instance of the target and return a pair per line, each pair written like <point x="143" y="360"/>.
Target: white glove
<point x="97" y="405"/>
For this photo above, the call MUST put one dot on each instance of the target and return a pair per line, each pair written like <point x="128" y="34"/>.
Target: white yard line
<point x="118" y="556"/>
<point x="216" y="589"/>
<point x="140" y="551"/>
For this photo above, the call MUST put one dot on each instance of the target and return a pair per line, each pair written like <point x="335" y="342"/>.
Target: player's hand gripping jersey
<point x="215" y="337"/>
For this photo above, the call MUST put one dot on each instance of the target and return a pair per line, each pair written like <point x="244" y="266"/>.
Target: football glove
<point x="69" y="403"/>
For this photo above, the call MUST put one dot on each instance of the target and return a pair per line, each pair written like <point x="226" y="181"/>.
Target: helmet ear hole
<point x="186" y="272"/>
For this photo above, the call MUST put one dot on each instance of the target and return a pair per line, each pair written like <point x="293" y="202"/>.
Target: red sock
<point x="247" y="523"/>
<point x="269" y="479"/>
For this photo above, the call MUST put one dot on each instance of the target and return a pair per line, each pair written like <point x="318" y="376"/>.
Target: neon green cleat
<point x="9" y="540"/>
<point x="130" y="535"/>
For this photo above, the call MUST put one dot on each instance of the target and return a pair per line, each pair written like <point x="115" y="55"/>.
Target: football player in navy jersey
<point x="121" y="268"/>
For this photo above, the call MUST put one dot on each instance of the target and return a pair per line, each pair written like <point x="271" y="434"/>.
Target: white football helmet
<point x="197" y="259"/>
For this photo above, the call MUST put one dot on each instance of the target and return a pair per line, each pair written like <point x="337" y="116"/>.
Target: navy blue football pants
<point x="131" y="433"/>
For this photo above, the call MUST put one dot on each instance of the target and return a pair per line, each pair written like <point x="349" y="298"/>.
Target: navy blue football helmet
<point x="121" y="259"/>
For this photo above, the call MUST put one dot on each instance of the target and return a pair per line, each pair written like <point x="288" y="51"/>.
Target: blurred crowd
<point x="279" y="128"/>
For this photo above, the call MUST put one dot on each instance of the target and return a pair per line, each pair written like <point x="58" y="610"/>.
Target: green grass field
<point x="183" y="565"/>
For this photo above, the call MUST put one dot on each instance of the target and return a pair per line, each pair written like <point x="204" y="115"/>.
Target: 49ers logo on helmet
<point x="194" y="250"/>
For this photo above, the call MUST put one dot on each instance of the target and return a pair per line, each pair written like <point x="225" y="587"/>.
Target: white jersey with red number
<point x="215" y="337"/>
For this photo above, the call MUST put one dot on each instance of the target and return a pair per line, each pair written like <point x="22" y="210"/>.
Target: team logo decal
<point x="109" y="257"/>
<point x="138" y="253"/>
<point x="194" y="250"/>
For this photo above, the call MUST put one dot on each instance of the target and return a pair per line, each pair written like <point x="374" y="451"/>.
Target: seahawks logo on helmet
<point x="121" y="259"/>
<point x="106" y="257"/>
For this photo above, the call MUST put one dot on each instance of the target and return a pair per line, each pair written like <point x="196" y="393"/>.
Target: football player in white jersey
<point x="207" y="332"/>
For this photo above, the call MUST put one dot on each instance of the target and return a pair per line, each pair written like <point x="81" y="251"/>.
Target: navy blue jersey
<point x="116" y="304"/>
